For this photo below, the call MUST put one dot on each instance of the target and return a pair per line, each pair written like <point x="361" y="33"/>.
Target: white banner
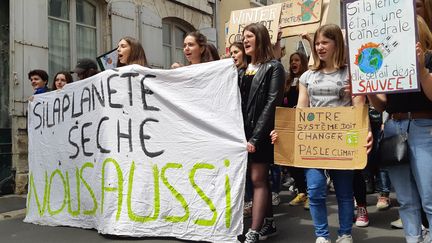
<point x="141" y="152"/>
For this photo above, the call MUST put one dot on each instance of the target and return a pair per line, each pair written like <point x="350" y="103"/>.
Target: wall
<point x="141" y="19"/>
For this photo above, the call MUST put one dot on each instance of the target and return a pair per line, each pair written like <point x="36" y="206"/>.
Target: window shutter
<point x="151" y="37"/>
<point x="123" y="20"/>
<point x="29" y="49"/>
<point x="210" y="33"/>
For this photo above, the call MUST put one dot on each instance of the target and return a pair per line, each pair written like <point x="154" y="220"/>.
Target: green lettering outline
<point x="203" y="222"/>
<point x="93" y="211"/>
<point x="31" y="185"/>
<point x="227" y="198"/>
<point x="113" y="189"/>
<point x="177" y="195"/>
<point x="131" y="214"/>
<point x="57" y="171"/>
<point x="71" y="212"/>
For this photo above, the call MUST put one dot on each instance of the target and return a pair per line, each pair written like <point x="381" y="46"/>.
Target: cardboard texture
<point x="295" y="13"/>
<point x="327" y="138"/>
<point x="268" y="16"/>
<point x="290" y="9"/>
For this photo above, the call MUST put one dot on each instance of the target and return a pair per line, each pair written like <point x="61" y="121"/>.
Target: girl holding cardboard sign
<point x="326" y="84"/>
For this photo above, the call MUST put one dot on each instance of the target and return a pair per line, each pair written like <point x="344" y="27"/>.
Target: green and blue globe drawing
<point x="370" y="60"/>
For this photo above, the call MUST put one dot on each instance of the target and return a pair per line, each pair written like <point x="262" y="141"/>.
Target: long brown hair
<point x="67" y="75"/>
<point x="246" y="58"/>
<point x="137" y="54"/>
<point x="303" y="68"/>
<point x="263" y="46"/>
<point x="332" y="32"/>
<point x="201" y="40"/>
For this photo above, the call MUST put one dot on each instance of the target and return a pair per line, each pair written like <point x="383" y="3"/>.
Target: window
<point x="72" y="33"/>
<point x="174" y="33"/>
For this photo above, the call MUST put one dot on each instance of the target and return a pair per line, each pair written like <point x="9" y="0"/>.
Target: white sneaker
<point x="275" y="199"/>
<point x="288" y="181"/>
<point x="397" y="224"/>
<point x="322" y="240"/>
<point x="344" y="239"/>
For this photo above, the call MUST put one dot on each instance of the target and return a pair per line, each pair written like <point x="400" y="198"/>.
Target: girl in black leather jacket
<point x="261" y="90"/>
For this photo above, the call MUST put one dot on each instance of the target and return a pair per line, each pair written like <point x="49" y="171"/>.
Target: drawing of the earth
<point x="370" y="60"/>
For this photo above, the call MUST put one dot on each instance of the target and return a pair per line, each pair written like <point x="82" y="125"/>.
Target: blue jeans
<point x="413" y="181"/>
<point x="317" y="192"/>
<point x="383" y="181"/>
<point x="275" y="171"/>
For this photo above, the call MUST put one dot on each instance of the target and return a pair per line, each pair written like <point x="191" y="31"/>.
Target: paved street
<point x="294" y="225"/>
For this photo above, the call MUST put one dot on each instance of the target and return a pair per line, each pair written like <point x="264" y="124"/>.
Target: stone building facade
<point x="53" y="34"/>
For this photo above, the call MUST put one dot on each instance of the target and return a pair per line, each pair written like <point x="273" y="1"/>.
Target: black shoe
<point x="268" y="229"/>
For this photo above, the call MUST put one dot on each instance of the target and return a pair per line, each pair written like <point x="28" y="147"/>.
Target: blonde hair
<point x="424" y="34"/>
<point x="332" y="32"/>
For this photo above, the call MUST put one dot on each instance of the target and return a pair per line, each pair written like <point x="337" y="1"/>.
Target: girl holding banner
<point x="197" y="50"/>
<point x="412" y="182"/>
<point x="61" y="79"/>
<point x="130" y="51"/>
<point x="261" y="90"/>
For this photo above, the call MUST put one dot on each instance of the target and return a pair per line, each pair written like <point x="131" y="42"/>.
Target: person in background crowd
<point x="212" y="52"/>
<point x="412" y="182"/>
<point x="130" y="51"/>
<point x="85" y="68"/>
<point x="195" y="49"/>
<point x="61" y="79"/>
<point x="329" y="68"/>
<point x="275" y="170"/>
<point x="298" y="65"/>
<point x="237" y="53"/>
<point x="424" y="10"/>
<point x="39" y="81"/>
<point x="261" y="90"/>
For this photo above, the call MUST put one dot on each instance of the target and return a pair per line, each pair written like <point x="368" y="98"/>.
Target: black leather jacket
<point x="265" y="94"/>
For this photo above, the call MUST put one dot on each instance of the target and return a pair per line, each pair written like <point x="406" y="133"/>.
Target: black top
<point x="245" y="86"/>
<point x="410" y="102"/>
<point x="290" y="97"/>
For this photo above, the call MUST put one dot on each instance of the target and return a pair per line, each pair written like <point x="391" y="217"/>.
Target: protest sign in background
<point x="298" y="17"/>
<point x="381" y="41"/>
<point x="268" y="16"/>
<point x="108" y="60"/>
<point x="300" y="12"/>
<point x="327" y="138"/>
<point x="141" y="152"/>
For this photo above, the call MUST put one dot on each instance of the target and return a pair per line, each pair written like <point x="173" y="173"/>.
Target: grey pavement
<point x="294" y="226"/>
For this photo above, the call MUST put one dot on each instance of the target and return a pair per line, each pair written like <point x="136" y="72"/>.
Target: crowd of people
<point x="264" y="84"/>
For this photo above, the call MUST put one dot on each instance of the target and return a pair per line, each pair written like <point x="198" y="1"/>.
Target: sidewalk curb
<point x="13" y="214"/>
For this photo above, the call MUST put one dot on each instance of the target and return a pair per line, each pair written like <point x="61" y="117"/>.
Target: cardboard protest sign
<point x="381" y="39"/>
<point x="327" y="138"/>
<point x="298" y="16"/>
<point x="141" y="152"/>
<point x="297" y="12"/>
<point x="267" y="15"/>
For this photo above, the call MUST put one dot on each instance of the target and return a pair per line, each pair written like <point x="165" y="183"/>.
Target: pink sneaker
<point x="362" y="219"/>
